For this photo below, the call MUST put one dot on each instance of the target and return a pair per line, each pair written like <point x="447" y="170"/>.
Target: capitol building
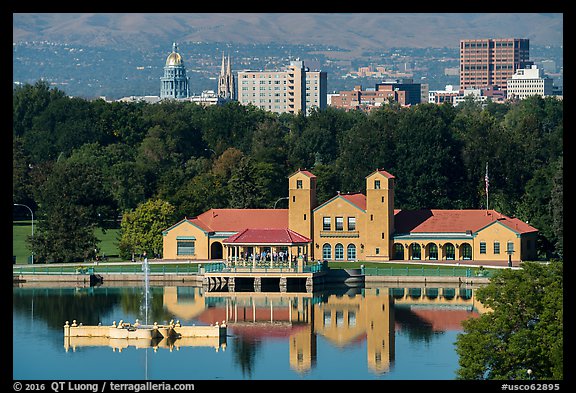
<point x="175" y="84"/>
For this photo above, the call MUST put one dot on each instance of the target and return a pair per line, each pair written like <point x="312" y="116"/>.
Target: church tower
<point x="226" y="87"/>
<point x="379" y="215"/>
<point x="302" y="200"/>
<point x="174" y="83"/>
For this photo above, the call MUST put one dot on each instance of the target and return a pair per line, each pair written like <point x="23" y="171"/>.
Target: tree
<point x="367" y="146"/>
<point x="268" y="143"/>
<point x="29" y="101"/>
<point x="557" y="207"/>
<point x="245" y="187"/>
<point x="21" y="181"/>
<point x="72" y="203"/>
<point x="429" y="168"/>
<point x="523" y="329"/>
<point x="201" y="193"/>
<point x="535" y="208"/>
<point x="141" y="229"/>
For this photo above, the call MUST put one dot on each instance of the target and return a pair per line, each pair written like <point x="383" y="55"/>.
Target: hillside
<point x="349" y="31"/>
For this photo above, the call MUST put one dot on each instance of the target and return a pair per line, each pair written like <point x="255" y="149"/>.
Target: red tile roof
<point x="405" y="221"/>
<point x="238" y="219"/>
<point x="357" y="199"/>
<point x="305" y="172"/>
<point x="267" y="236"/>
<point x="439" y="221"/>
<point x="382" y="171"/>
<point x="387" y="174"/>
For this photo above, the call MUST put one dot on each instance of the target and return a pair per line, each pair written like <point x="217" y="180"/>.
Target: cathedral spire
<point x="226" y="80"/>
<point x="222" y="70"/>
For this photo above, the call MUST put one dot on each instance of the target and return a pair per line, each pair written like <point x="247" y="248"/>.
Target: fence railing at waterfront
<point x="105" y="269"/>
<point x="221" y="267"/>
<point x="426" y="271"/>
<point x="265" y="267"/>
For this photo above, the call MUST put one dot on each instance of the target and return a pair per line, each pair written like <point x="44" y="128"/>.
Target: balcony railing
<point x="339" y="233"/>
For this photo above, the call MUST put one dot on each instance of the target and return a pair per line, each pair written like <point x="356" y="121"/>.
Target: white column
<point x="271" y="312"/>
<point x="227" y="308"/>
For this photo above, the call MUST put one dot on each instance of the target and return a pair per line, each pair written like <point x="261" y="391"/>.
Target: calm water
<point x="348" y="333"/>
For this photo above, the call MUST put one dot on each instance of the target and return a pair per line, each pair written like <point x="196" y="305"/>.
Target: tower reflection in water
<point x="343" y="318"/>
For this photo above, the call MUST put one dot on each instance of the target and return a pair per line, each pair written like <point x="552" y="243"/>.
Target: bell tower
<point x="302" y="200"/>
<point x="379" y="215"/>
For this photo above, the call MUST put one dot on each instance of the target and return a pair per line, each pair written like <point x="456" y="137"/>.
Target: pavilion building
<point x="350" y="227"/>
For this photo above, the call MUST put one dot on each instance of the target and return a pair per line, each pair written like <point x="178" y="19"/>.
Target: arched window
<point x="326" y="251"/>
<point x="416" y="251"/>
<point x="466" y="250"/>
<point x="339" y="252"/>
<point x="449" y="251"/>
<point x="432" y="251"/>
<point x="351" y="252"/>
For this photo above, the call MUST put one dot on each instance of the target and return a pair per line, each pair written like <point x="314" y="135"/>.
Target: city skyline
<point x="93" y="55"/>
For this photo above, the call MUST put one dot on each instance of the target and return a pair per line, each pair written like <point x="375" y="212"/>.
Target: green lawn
<point x="22" y="229"/>
<point x="109" y="243"/>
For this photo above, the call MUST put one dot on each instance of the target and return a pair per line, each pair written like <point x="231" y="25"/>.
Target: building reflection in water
<point x="344" y="318"/>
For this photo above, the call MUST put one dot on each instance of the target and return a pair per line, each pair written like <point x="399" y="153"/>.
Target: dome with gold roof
<point x="174" y="83"/>
<point x="174" y="58"/>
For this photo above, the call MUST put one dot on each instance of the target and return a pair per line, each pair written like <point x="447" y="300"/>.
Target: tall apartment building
<point x="529" y="82"/>
<point x="296" y="89"/>
<point x="491" y="62"/>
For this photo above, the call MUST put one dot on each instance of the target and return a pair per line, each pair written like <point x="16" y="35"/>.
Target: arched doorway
<point x="216" y="251"/>
<point x="466" y="251"/>
<point x="398" y="251"/>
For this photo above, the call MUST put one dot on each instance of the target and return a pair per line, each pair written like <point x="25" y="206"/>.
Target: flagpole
<point x="486" y="181"/>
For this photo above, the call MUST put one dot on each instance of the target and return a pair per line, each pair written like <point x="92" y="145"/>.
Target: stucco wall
<point x="185" y="229"/>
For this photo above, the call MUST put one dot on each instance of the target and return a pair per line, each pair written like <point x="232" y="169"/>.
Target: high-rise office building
<point x="528" y="82"/>
<point x="296" y="89"/>
<point x="491" y="62"/>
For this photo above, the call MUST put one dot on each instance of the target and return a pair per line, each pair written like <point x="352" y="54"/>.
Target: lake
<point x="367" y="333"/>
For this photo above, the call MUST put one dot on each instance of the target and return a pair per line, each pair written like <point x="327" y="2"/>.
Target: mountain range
<point x="341" y="31"/>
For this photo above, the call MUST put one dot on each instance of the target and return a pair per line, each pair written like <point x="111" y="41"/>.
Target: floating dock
<point x="148" y="333"/>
